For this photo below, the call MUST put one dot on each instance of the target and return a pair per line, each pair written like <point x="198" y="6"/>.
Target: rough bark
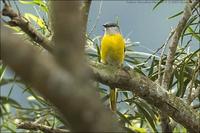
<point x="150" y="91"/>
<point x="165" y="121"/>
<point x="174" y="43"/>
<point x="18" y="20"/>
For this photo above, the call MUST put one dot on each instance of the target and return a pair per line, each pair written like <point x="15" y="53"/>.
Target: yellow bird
<point x="112" y="53"/>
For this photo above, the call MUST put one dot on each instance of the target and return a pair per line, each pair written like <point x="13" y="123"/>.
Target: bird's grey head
<point x="111" y="28"/>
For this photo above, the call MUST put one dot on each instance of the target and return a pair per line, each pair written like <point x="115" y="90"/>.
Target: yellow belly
<point x="112" y="49"/>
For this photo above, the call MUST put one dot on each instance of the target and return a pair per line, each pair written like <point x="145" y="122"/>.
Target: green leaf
<point x="11" y="130"/>
<point x="190" y="21"/>
<point x="12" y="86"/>
<point x="129" y="130"/>
<point x="38" y="21"/>
<point x="98" y="52"/>
<point x="147" y="116"/>
<point x="182" y="76"/>
<point x="125" y="93"/>
<point x="2" y="71"/>
<point x="26" y="2"/>
<point x="139" y="130"/>
<point x="152" y="67"/>
<point x="185" y="84"/>
<point x="148" y="108"/>
<point x="41" y="3"/>
<point x="8" y="81"/>
<point x="124" y="118"/>
<point x="139" y="70"/>
<point x="190" y="30"/>
<point x="7" y="100"/>
<point x="105" y="98"/>
<point x="157" y="4"/>
<point x="36" y="96"/>
<point x="180" y="80"/>
<point x="177" y="14"/>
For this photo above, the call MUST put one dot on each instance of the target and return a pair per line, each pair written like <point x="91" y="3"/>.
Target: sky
<point x="137" y="19"/>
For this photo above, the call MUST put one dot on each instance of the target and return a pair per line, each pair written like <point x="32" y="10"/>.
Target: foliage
<point x="134" y="113"/>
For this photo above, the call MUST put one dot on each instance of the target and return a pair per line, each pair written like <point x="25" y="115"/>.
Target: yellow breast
<point x="112" y="49"/>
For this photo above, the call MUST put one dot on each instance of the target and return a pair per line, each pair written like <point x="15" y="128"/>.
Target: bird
<point x="112" y="51"/>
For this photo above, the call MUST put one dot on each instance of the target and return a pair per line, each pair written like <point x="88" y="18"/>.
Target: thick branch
<point x="69" y="35"/>
<point x="78" y="104"/>
<point x="149" y="91"/>
<point x="85" y="11"/>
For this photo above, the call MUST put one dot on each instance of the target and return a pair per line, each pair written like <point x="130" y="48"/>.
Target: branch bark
<point x="150" y="91"/>
<point x="35" y="126"/>
<point x="69" y="35"/>
<point x="174" y="43"/>
<point x="85" y="12"/>
<point x="170" y="57"/>
<point x="25" y="26"/>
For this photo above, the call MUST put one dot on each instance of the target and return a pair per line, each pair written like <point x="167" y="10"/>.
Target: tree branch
<point x="85" y="11"/>
<point x="165" y="121"/>
<point x="174" y="43"/>
<point x="44" y="128"/>
<point x="195" y="73"/>
<point x="149" y="91"/>
<point x="170" y="57"/>
<point x="25" y="26"/>
<point x="195" y="94"/>
<point x="69" y="35"/>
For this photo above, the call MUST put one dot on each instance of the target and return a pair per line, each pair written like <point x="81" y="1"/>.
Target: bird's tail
<point x="113" y="99"/>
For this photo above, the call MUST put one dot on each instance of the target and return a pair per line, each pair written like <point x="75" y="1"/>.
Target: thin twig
<point x="97" y="18"/>
<point x="4" y="1"/>
<point x="154" y="53"/>
<point x="195" y="94"/>
<point x="196" y="106"/>
<point x="44" y="128"/>
<point x="194" y="76"/>
<point x="17" y="8"/>
<point x="17" y="20"/>
<point x="162" y="53"/>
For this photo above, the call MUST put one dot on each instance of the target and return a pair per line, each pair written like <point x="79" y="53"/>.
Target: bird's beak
<point x="104" y="25"/>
